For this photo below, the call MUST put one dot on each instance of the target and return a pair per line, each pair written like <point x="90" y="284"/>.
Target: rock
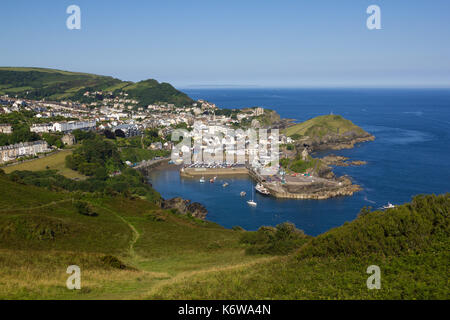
<point x="341" y="161"/>
<point x="197" y="210"/>
<point x="183" y="206"/>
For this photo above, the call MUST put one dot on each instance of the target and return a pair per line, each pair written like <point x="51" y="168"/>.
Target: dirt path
<point x="134" y="231"/>
<point x="37" y="207"/>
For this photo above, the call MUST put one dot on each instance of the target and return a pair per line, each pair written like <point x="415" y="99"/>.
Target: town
<point x="120" y="116"/>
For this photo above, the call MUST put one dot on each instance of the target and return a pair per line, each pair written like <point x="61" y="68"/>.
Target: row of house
<point x="63" y="126"/>
<point x="23" y="149"/>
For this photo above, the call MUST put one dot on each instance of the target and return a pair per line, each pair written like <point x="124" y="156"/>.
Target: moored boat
<point x="261" y="189"/>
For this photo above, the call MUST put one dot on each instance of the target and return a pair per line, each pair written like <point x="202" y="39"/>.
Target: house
<point x="68" y="139"/>
<point x="5" y="128"/>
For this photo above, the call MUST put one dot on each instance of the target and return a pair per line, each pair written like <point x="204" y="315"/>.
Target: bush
<point x="269" y="240"/>
<point x="113" y="262"/>
<point x="85" y="208"/>
<point x="422" y="225"/>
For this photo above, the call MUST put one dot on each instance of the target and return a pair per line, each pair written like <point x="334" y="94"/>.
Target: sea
<point x="410" y="155"/>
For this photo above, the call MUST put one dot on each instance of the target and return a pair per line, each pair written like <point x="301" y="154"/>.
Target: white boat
<point x="243" y="193"/>
<point x="252" y="203"/>
<point x="202" y="180"/>
<point x="388" y="206"/>
<point x="225" y="184"/>
<point x="261" y="189"/>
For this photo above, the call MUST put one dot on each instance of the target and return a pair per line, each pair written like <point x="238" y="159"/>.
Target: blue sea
<point x="410" y="156"/>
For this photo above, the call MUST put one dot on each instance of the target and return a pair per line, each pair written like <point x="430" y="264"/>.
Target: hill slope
<point x="133" y="249"/>
<point x="328" y="132"/>
<point x="51" y="84"/>
<point x="410" y="244"/>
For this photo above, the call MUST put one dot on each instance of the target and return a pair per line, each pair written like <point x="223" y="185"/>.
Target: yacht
<point x="251" y="203"/>
<point x="261" y="189"/>
<point x="243" y="193"/>
<point x="225" y="184"/>
<point x="202" y="180"/>
<point x="388" y="206"/>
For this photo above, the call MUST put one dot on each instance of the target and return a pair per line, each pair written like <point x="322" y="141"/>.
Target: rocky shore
<point x="341" y="161"/>
<point x="335" y="142"/>
<point x="183" y="206"/>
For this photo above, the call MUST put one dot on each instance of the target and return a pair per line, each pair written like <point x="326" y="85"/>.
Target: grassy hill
<point x="51" y="84"/>
<point x="129" y="248"/>
<point x="324" y="125"/>
<point x="132" y="249"/>
<point x="410" y="244"/>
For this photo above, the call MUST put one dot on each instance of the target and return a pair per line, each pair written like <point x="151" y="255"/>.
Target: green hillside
<point x="50" y="84"/>
<point x="410" y="244"/>
<point x="130" y="248"/>
<point x="324" y="125"/>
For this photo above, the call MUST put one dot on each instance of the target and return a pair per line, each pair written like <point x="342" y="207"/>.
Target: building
<point x="5" y="128"/>
<point x="126" y="130"/>
<point x="68" y="139"/>
<point x="41" y="127"/>
<point x="74" y="125"/>
<point x="23" y="149"/>
<point x="259" y="111"/>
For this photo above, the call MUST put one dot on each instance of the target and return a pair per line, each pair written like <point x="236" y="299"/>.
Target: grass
<point x="55" y="161"/>
<point x="322" y="125"/>
<point x="163" y="255"/>
<point x="43" y="234"/>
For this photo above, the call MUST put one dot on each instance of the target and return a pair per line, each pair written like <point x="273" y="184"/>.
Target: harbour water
<point x="411" y="155"/>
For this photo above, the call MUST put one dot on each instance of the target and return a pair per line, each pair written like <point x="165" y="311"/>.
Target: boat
<point x="211" y="180"/>
<point x="202" y="180"/>
<point x="225" y="184"/>
<point x="243" y="193"/>
<point x="252" y="202"/>
<point x="261" y="189"/>
<point x="388" y="206"/>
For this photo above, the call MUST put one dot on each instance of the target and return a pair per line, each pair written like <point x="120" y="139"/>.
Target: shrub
<point x="85" y="208"/>
<point x="269" y="240"/>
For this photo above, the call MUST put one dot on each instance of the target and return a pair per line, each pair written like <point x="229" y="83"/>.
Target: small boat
<point x="252" y="203"/>
<point x="261" y="189"/>
<point x="388" y="206"/>
<point x="202" y="180"/>
<point x="243" y="193"/>
<point x="211" y="180"/>
<point x="225" y="184"/>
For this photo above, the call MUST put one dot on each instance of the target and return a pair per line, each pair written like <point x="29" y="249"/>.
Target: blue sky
<point x="272" y="43"/>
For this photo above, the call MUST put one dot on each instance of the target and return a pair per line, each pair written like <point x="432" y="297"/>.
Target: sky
<point x="213" y="43"/>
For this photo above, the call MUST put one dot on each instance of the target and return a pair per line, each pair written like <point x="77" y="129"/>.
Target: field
<point x="54" y="162"/>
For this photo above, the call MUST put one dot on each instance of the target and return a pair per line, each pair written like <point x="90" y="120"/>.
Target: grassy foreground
<point x="132" y="249"/>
